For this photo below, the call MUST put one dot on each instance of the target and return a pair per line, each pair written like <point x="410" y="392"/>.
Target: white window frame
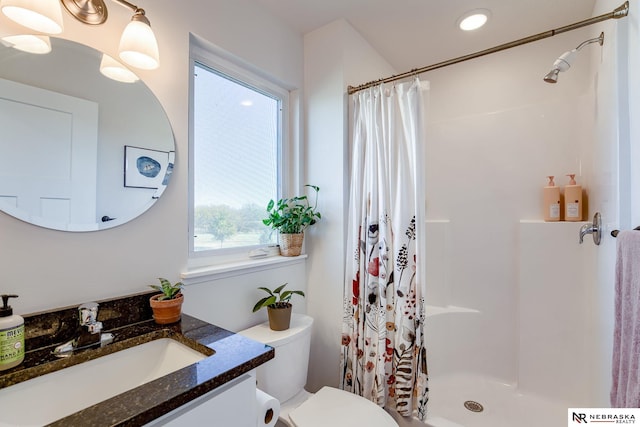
<point x="222" y="62"/>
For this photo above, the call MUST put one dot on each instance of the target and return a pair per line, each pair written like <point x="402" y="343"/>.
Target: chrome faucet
<point x="90" y="328"/>
<point x="595" y="229"/>
<point x="90" y="331"/>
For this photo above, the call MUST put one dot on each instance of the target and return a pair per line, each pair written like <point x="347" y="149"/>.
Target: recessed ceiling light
<point x="473" y="19"/>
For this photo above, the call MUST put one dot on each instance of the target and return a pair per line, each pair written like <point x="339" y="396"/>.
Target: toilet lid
<point x="333" y="407"/>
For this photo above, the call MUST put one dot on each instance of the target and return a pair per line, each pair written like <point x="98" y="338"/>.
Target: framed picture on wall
<point x="144" y="168"/>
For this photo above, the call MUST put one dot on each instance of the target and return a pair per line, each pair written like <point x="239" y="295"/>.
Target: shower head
<point x="552" y="76"/>
<point x="563" y="63"/>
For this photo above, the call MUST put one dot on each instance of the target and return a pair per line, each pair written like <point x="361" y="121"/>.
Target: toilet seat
<point x="337" y="408"/>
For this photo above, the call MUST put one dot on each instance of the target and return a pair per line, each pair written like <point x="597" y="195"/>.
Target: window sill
<point x="222" y="271"/>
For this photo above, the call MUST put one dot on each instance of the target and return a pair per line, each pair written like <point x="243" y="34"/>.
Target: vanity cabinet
<point x="231" y="404"/>
<point x="215" y="390"/>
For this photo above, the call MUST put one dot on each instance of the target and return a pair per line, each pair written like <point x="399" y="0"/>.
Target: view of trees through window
<point x="236" y="144"/>
<point x="219" y="226"/>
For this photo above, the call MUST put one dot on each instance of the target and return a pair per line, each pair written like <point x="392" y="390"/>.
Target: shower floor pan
<point x="501" y="404"/>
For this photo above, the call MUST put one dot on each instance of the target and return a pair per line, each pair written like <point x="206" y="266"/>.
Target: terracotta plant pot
<point x="290" y="244"/>
<point x="166" y="311"/>
<point x="279" y="318"/>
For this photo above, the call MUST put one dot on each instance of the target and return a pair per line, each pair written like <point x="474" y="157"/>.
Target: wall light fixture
<point x="138" y="46"/>
<point x="116" y="71"/>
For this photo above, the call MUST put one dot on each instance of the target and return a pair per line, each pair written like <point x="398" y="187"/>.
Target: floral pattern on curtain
<point x="383" y="350"/>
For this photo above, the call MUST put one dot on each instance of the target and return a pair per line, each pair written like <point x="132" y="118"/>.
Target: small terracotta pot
<point x="279" y="318"/>
<point x="166" y="311"/>
<point x="290" y="244"/>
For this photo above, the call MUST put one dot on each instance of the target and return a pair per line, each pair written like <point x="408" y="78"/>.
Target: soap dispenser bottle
<point x="572" y="200"/>
<point x="551" y="201"/>
<point x="11" y="336"/>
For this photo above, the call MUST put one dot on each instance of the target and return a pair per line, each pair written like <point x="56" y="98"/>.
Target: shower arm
<point x="599" y="40"/>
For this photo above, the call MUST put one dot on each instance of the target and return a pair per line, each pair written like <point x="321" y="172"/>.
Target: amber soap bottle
<point x="572" y="200"/>
<point x="551" y="201"/>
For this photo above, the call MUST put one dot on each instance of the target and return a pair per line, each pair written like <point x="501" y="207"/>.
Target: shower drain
<point x="473" y="406"/>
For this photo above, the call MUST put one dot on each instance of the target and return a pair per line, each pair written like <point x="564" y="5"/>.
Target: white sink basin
<point x="50" y="397"/>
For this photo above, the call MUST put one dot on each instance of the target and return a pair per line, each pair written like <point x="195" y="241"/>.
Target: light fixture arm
<point x="138" y="13"/>
<point x="94" y="12"/>
<point x="127" y="4"/>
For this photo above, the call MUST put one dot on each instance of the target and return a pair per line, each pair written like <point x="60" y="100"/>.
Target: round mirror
<point x="80" y="151"/>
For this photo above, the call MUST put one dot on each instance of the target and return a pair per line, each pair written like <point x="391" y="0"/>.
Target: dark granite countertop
<point x="130" y="320"/>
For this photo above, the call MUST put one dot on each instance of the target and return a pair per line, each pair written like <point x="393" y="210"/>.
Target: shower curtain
<point x="383" y="350"/>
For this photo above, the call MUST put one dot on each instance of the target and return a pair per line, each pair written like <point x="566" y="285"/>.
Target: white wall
<point x="335" y="55"/>
<point x="633" y="87"/>
<point x="50" y="269"/>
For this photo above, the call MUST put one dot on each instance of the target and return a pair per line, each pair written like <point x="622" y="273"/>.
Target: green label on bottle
<point x="11" y="345"/>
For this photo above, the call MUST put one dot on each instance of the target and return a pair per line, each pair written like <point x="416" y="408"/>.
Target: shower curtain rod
<point x="617" y="13"/>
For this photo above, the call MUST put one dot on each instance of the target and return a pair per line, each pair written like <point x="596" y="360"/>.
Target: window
<point x="236" y="162"/>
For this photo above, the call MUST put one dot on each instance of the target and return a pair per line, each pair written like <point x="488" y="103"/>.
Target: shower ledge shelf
<point x="434" y="310"/>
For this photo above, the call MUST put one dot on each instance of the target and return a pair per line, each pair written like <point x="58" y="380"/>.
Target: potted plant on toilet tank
<point x="290" y="217"/>
<point x="167" y="305"/>
<point x="278" y="306"/>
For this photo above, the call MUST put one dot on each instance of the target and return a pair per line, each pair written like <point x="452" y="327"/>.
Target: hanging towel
<point x="625" y="388"/>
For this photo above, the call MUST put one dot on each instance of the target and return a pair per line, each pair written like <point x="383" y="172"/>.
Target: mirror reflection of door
<point x="49" y="163"/>
<point x="129" y="114"/>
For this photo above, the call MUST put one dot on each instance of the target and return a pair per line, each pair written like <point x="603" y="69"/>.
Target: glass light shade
<point x="114" y="70"/>
<point x="29" y="43"/>
<point x="44" y="16"/>
<point x="138" y="46"/>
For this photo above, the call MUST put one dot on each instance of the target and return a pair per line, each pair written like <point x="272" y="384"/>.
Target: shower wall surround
<point x="497" y="160"/>
<point x="555" y="320"/>
<point x="496" y="148"/>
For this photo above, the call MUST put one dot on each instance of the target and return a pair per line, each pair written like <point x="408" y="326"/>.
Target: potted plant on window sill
<point x="290" y="217"/>
<point x="167" y="305"/>
<point x="278" y="306"/>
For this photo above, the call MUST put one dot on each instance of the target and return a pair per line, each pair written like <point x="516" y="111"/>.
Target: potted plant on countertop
<point x="278" y="306"/>
<point x="167" y="305"/>
<point x="290" y="217"/>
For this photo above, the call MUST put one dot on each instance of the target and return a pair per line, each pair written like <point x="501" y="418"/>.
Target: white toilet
<point x="284" y="378"/>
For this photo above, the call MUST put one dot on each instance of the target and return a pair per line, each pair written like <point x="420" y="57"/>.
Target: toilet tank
<point x="285" y="375"/>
